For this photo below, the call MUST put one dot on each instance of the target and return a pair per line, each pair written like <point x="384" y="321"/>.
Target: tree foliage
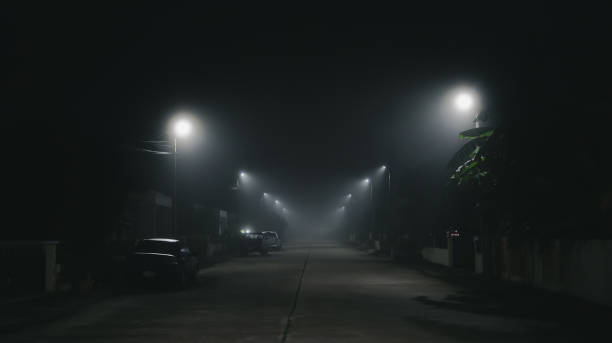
<point x="471" y="165"/>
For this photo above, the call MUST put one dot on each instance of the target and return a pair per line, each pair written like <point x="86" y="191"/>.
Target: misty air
<point x="306" y="172"/>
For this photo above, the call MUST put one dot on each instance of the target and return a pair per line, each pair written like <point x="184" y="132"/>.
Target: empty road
<point x="329" y="293"/>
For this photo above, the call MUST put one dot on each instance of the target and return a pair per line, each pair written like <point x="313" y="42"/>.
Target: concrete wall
<point x="478" y="266"/>
<point x="581" y="268"/>
<point x="36" y="270"/>
<point x="436" y="255"/>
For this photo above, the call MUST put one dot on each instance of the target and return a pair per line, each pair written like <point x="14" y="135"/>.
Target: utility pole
<point x="174" y="199"/>
<point x="390" y="216"/>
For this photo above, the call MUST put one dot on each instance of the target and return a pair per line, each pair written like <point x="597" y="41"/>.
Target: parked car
<point x="162" y="259"/>
<point x="272" y="241"/>
<point x="251" y="242"/>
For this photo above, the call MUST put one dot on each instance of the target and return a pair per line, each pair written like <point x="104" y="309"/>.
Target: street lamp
<point x="367" y="182"/>
<point x="390" y="213"/>
<point x="241" y="175"/>
<point x="384" y="168"/>
<point x="467" y="101"/>
<point x="262" y="201"/>
<point x="464" y="101"/>
<point x="182" y="129"/>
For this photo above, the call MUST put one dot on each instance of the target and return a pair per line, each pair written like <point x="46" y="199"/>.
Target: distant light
<point x="464" y="101"/>
<point x="367" y="180"/>
<point x="182" y="128"/>
<point x="342" y="208"/>
<point x="383" y="167"/>
<point x="349" y="195"/>
<point x="277" y="202"/>
<point x="242" y="174"/>
<point x="453" y="233"/>
<point x="265" y="194"/>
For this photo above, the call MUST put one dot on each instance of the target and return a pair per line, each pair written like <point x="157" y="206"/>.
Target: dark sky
<point x="305" y="96"/>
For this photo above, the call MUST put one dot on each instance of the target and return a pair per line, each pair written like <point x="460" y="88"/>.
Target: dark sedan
<point x="252" y="241"/>
<point x="163" y="259"/>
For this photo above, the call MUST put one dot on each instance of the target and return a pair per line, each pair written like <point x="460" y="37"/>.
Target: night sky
<point x="306" y="97"/>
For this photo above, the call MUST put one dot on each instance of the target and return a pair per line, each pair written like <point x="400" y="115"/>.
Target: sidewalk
<point x="17" y="314"/>
<point x="502" y="298"/>
<point x="21" y="311"/>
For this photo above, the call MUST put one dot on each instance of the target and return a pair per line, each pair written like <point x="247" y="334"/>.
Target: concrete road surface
<point x="330" y="293"/>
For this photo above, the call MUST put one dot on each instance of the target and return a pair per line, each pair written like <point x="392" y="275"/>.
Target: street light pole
<point x="241" y="174"/>
<point x="182" y="129"/>
<point x="262" y="203"/>
<point x="390" y="216"/>
<point x="389" y="179"/>
<point x="369" y="182"/>
<point x="174" y="199"/>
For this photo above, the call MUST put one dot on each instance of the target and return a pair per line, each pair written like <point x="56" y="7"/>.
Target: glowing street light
<point x="346" y="198"/>
<point x="467" y="101"/>
<point x="241" y="175"/>
<point x="182" y="128"/>
<point x="367" y="182"/>
<point x="464" y="101"/>
<point x="390" y="200"/>
<point x="262" y="200"/>
<point x="384" y="168"/>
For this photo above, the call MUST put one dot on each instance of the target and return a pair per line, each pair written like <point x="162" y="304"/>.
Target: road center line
<point x="295" y="298"/>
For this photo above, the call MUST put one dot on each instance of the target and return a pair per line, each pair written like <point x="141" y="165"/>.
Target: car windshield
<point x="159" y="247"/>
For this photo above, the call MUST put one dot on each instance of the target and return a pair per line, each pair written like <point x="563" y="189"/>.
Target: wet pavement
<point x="324" y="292"/>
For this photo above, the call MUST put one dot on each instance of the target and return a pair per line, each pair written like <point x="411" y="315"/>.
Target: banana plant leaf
<point x="467" y="152"/>
<point x="477" y="132"/>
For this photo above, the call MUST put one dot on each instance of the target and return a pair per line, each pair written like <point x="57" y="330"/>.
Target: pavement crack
<point x="295" y="299"/>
